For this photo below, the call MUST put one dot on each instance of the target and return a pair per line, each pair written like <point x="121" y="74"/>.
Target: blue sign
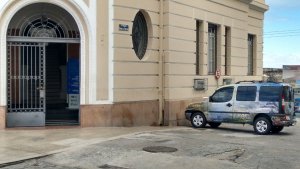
<point x="73" y="76"/>
<point x="123" y="27"/>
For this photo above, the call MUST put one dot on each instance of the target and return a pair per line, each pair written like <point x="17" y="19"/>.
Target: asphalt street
<point x="228" y="147"/>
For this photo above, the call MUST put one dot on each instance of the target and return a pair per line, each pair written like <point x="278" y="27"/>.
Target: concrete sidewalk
<point x="21" y="144"/>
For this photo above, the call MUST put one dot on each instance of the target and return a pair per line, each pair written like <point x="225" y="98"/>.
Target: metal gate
<point x="26" y="84"/>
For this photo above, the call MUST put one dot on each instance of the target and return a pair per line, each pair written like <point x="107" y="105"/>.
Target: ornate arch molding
<point x="39" y="20"/>
<point x="11" y="8"/>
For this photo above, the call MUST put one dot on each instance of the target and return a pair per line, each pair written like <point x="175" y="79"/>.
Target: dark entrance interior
<point x="59" y="109"/>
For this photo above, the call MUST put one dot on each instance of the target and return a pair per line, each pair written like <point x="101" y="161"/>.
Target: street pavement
<point x="230" y="146"/>
<point x="25" y="143"/>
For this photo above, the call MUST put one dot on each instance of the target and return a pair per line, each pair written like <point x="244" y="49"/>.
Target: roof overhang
<point x="258" y="6"/>
<point x="246" y="1"/>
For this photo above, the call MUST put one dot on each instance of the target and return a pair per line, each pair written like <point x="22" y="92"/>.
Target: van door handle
<point x="228" y="105"/>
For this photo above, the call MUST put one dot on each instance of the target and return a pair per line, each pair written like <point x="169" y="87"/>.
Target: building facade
<point x="120" y="62"/>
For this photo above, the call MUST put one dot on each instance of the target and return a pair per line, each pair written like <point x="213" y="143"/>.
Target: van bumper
<point x="283" y="120"/>
<point x="188" y="115"/>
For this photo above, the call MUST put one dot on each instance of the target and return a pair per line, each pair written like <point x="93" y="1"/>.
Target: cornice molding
<point x="246" y="1"/>
<point x="259" y="6"/>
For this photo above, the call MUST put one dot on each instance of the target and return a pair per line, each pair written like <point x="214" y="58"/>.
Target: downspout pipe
<point x="161" y="63"/>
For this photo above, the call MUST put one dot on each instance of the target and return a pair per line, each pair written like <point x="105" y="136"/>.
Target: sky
<point x="282" y="33"/>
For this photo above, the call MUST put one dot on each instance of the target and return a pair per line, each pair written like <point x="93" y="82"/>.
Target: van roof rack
<point x="246" y="81"/>
<point x="270" y="82"/>
<point x="254" y="81"/>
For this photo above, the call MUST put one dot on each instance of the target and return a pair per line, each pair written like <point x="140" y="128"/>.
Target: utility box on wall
<point x="200" y="84"/>
<point x="227" y="81"/>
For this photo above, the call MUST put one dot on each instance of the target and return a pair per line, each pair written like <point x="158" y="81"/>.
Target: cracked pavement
<point x="229" y="147"/>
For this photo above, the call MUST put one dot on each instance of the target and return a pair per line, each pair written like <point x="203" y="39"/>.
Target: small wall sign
<point x="218" y="74"/>
<point x="123" y="27"/>
<point x="73" y="100"/>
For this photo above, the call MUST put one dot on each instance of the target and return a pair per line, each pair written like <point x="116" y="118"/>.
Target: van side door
<point x="220" y="105"/>
<point x="245" y="104"/>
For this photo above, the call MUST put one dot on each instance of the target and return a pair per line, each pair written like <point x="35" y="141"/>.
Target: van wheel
<point x="198" y="120"/>
<point x="277" y="129"/>
<point x="214" y="124"/>
<point x="262" y="126"/>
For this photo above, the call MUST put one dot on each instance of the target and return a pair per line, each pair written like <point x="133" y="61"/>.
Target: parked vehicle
<point x="268" y="106"/>
<point x="297" y="105"/>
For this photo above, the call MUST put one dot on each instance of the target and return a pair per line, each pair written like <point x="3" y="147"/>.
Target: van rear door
<point x="288" y="100"/>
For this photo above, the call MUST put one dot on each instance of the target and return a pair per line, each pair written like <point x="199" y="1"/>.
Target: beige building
<point x="122" y="62"/>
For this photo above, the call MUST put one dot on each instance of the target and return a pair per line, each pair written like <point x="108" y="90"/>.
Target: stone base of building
<point x="2" y="117"/>
<point x="174" y="114"/>
<point x="143" y="113"/>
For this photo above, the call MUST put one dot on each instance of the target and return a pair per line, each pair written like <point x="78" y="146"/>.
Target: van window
<point x="223" y="95"/>
<point x="246" y="93"/>
<point x="288" y="94"/>
<point x="270" y="93"/>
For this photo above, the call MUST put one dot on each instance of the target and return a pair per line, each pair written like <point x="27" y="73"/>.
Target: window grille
<point x="227" y="50"/>
<point x="212" y="48"/>
<point x="250" y="54"/>
<point x="198" y="24"/>
<point x="140" y="35"/>
<point x="43" y="26"/>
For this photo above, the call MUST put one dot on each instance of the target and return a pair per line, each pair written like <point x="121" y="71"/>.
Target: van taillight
<point x="282" y="104"/>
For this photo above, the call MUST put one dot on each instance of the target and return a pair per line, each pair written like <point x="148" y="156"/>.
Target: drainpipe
<point x="161" y="91"/>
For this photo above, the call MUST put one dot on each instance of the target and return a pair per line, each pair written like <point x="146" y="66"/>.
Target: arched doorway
<point x="43" y="54"/>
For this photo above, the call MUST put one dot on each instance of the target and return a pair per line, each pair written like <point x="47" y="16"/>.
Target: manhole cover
<point x="106" y="166"/>
<point x="159" y="149"/>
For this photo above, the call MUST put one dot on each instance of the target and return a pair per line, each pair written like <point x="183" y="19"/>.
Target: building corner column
<point x="2" y="117"/>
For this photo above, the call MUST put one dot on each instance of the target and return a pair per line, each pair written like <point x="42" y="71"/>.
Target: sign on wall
<point x="73" y="83"/>
<point x="123" y="27"/>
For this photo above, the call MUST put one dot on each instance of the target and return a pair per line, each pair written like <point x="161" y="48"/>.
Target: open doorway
<point x="43" y="42"/>
<point x="62" y="84"/>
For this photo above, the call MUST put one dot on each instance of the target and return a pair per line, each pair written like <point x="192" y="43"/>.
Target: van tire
<point x="214" y="124"/>
<point x="198" y="120"/>
<point x="277" y="129"/>
<point x="262" y="126"/>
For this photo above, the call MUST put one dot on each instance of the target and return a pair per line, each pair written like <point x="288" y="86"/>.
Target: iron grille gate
<point x="26" y="84"/>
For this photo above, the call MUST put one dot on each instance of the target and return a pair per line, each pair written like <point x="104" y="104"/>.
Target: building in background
<point x="273" y="74"/>
<point x="122" y="62"/>
<point x="291" y="74"/>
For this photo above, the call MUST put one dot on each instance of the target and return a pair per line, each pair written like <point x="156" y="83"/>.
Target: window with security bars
<point x="198" y="24"/>
<point x="140" y="35"/>
<point x="227" y="50"/>
<point x="250" y="54"/>
<point x="212" y="48"/>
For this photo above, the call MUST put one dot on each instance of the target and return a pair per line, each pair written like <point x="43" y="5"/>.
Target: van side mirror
<point x="210" y="99"/>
